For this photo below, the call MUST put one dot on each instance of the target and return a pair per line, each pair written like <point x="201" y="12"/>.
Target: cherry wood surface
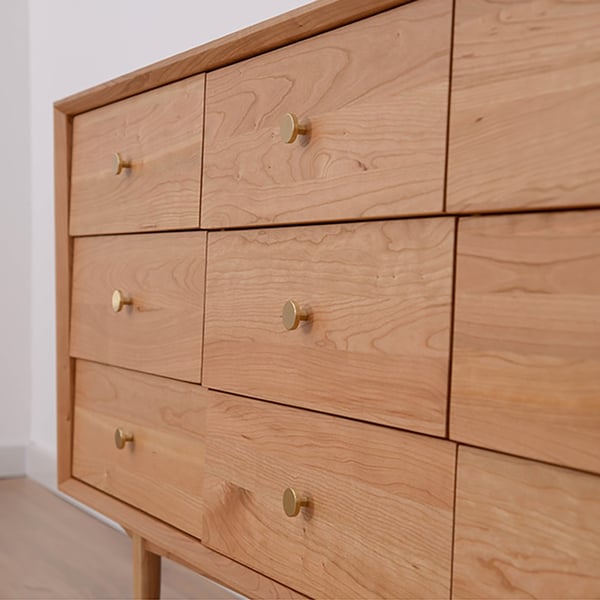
<point x="376" y="346"/>
<point x="379" y="519"/>
<point x="374" y="95"/>
<point x="524" y="529"/>
<point x="525" y="107"/>
<point x="526" y="359"/>
<point x="160" y="134"/>
<point x="523" y="136"/>
<point x="161" y="470"/>
<point x="163" y="274"/>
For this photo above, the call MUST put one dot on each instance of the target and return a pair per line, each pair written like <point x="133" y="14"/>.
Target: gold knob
<point x="290" y="128"/>
<point x="292" y="315"/>
<point x="119" y="164"/>
<point x="292" y="503"/>
<point x="122" y="437"/>
<point x="119" y="301"/>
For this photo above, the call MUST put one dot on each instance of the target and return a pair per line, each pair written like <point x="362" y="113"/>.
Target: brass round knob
<point x="290" y="128"/>
<point x="292" y="503"/>
<point x="292" y="315"/>
<point x="119" y="163"/>
<point x="122" y="437"/>
<point x="119" y="300"/>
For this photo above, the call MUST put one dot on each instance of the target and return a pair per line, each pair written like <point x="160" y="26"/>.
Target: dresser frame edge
<point x="65" y="371"/>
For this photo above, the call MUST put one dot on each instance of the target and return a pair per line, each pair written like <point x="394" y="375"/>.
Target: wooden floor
<point x="50" y="549"/>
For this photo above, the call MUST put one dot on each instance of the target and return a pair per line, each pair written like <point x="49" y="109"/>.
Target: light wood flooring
<point x="51" y="549"/>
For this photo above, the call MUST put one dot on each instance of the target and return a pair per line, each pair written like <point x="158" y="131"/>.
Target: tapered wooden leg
<point x="146" y="571"/>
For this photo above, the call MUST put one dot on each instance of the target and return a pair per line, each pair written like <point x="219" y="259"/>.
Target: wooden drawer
<point x="163" y="276"/>
<point x="379" y="519"/>
<point x="526" y="362"/>
<point x="525" y="109"/>
<point x="524" y="529"/>
<point x="374" y="96"/>
<point x="161" y="470"/>
<point x="378" y="295"/>
<point x="160" y="134"/>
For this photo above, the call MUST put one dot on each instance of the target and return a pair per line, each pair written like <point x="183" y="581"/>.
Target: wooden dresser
<point x="328" y="303"/>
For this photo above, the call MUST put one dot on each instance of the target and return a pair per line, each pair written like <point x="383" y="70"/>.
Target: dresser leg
<point x="146" y="571"/>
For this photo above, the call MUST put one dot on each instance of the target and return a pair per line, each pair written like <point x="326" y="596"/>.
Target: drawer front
<point x="163" y="276"/>
<point x="524" y="529"/>
<point x="378" y="297"/>
<point x="379" y="518"/>
<point x="160" y="134"/>
<point x="374" y="98"/>
<point x="161" y="470"/>
<point x="526" y="361"/>
<point x="525" y="110"/>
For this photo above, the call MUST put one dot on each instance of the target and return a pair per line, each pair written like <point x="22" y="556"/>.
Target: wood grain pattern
<point x="379" y="523"/>
<point x="524" y="530"/>
<point x="161" y="332"/>
<point x="171" y="543"/>
<point x="377" y="138"/>
<point x="377" y="344"/>
<point x="160" y="132"/>
<point x="63" y="248"/>
<point x="146" y="570"/>
<point x="301" y="23"/>
<point x="161" y="470"/>
<point x="525" y="117"/>
<point x="526" y="366"/>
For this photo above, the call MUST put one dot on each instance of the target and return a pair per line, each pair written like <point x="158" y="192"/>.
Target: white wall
<point x="75" y="44"/>
<point x="15" y="238"/>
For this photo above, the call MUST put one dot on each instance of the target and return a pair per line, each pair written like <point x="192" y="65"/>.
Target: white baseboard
<point x="12" y="461"/>
<point x="41" y="467"/>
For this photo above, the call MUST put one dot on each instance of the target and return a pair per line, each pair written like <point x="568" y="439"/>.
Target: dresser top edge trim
<point x="293" y="26"/>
